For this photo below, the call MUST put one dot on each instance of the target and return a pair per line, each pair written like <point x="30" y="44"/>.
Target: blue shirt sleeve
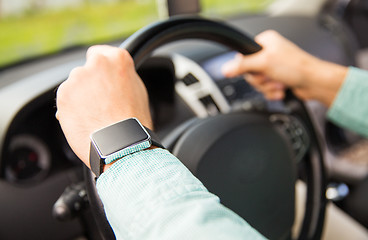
<point x="152" y="195"/>
<point x="350" y="107"/>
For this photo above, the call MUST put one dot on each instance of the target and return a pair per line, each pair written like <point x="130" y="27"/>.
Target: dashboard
<point x="183" y="81"/>
<point x="35" y="145"/>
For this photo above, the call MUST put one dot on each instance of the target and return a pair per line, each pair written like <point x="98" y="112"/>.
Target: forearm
<point x="151" y="195"/>
<point x="323" y="79"/>
<point x="349" y="109"/>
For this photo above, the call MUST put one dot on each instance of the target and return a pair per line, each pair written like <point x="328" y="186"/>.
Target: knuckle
<point x="96" y="54"/>
<point x="90" y="51"/>
<point x="268" y="38"/>
<point x="272" y="32"/>
<point x="57" y="115"/>
<point x="123" y="52"/>
<point x="125" y="56"/>
<point x="61" y="95"/>
<point x="269" y="34"/>
<point x="93" y="49"/>
<point x="59" y="91"/>
<point x="59" y="102"/>
<point x="75" y="72"/>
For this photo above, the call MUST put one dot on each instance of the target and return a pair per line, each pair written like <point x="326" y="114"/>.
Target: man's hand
<point x="281" y="64"/>
<point x="105" y="90"/>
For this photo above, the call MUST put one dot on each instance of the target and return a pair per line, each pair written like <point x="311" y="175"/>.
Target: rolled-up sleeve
<point x="350" y="107"/>
<point x="152" y="195"/>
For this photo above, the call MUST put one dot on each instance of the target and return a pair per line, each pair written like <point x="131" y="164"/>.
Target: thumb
<point x="242" y="64"/>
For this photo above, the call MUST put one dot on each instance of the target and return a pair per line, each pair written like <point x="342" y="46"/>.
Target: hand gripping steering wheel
<point x="246" y="158"/>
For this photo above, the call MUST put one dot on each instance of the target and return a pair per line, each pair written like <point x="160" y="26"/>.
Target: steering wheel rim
<point x="141" y="44"/>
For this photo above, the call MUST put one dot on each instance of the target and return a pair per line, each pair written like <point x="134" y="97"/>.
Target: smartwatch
<point x="118" y="140"/>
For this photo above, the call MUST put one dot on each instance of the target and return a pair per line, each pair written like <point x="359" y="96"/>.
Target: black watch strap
<point x="154" y="139"/>
<point x="95" y="162"/>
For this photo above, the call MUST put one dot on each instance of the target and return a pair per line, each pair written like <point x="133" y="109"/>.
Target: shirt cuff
<point x="152" y="195"/>
<point x="349" y="109"/>
<point x="134" y="186"/>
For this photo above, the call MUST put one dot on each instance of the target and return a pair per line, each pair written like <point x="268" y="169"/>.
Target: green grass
<point x="38" y="33"/>
<point x="45" y="32"/>
<point x="226" y="8"/>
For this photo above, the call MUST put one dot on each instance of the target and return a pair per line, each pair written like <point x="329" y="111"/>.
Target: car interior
<point x="47" y="193"/>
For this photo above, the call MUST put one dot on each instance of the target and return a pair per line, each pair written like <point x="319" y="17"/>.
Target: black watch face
<point x="119" y="136"/>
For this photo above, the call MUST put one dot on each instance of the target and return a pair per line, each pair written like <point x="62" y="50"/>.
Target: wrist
<point x="118" y="140"/>
<point x="323" y="80"/>
<point x="107" y="166"/>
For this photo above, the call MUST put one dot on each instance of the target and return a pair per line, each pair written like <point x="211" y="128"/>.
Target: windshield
<point x="38" y="27"/>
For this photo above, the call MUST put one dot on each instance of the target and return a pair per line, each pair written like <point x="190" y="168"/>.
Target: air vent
<point x="189" y="79"/>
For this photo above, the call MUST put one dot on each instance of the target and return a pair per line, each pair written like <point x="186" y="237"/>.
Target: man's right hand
<point x="281" y="64"/>
<point x="105" y="90"/>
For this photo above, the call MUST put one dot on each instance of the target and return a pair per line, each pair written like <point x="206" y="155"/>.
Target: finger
<point x="103" y="54"/>
<point x="256" y="79"/>
<point x="275" y="95"/>
<point x="267" y="87"/>
<point x="99" y="54"/>
<point x="98" y="50"/>
<point x="242" y="64"/>
<point x="57" y="115"/>
<point x="59" y="95"/>
<point x="270" y="89"/>
<point x="273" y="86"/>
<point x="96" y="56"/>
<point x="231" y="68"/>
<point x="267" y="36"/>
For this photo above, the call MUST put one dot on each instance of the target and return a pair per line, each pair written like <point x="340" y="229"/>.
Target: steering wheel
<point x="246" y="158"/>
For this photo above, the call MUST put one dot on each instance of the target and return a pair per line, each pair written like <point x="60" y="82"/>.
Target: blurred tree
<point x="37" y="5"/>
